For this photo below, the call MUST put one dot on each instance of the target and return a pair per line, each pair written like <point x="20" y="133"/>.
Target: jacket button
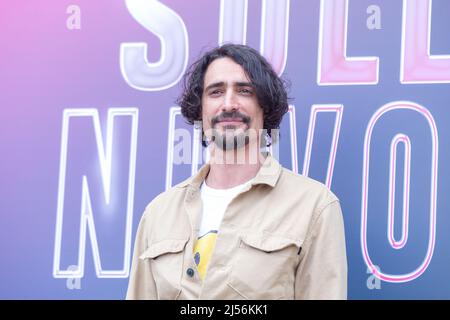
<point x="190" y="272"/>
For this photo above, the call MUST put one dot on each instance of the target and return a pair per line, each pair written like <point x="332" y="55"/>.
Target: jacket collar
<point x="268" y="174"/>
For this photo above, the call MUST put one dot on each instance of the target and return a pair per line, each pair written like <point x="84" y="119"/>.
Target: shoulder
<point x="290" y="178"/>
<point x="164" y="217"/>
<point x="168" y="198"/>
<point x="323" y="205"/>
<point x="306" y="188"/>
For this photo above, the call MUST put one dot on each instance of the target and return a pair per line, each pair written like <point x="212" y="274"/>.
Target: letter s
<point x="168" y="26"/>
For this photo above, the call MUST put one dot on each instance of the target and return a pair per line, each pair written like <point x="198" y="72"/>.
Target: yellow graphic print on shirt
<point x="203" y="251"/>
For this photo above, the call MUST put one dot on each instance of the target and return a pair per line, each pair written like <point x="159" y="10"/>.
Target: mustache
<point x="230" y="115"/>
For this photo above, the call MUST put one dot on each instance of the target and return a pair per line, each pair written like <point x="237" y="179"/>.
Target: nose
<point x="230" y="102"/>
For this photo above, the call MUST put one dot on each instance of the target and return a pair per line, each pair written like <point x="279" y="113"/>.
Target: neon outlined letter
<point x="105" y="157"/>
<point x="417" y="63"/>
<point x="334" y="67"/>
<point x="400" y="105"/>
<point x="338" y="109"/>
<point x="274" y="28"/>
<point x="168" y="26"/>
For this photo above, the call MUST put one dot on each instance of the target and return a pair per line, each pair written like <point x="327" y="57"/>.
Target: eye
<point x="215" y="92"/>
<point x="246" y="91"/>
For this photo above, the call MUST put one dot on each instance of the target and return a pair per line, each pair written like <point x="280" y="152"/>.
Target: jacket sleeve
<point x="322" y="271"/>
<point x="141" y="284"/>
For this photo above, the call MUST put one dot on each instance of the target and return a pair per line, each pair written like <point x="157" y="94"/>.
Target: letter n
<point x="96" y="184"/>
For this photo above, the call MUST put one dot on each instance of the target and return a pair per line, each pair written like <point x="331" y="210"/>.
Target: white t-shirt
<point x="215" y="203"/>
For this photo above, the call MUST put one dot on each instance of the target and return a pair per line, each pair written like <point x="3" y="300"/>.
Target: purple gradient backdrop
<point x="45" y="68"/>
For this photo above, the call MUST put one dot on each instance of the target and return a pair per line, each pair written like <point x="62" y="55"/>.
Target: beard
<point x="233" y="137"/>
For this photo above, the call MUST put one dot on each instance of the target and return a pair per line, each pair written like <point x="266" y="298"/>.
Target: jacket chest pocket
<point x="263" y="267"/>
<point x="166" y="264"/>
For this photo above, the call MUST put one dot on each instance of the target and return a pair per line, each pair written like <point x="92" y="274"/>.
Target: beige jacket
<point x="282" y="237"/>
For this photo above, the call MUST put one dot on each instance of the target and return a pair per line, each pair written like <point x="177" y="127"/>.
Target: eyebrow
<point x="221" y="84"/>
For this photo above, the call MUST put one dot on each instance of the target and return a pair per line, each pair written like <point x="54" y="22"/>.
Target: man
<point x="243" y="227"/>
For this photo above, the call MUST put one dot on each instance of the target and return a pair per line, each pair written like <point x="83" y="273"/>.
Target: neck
<point x="229" y="168"/>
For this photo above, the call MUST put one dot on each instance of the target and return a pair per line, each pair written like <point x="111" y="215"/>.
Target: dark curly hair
<point x="269" y="88"/>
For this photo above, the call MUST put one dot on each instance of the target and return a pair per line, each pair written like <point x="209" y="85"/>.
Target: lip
<point x="227" y="121"/>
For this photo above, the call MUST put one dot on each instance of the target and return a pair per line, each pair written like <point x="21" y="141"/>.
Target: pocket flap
<point x="162" y="247"/>
<point x="269" y="243"/>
